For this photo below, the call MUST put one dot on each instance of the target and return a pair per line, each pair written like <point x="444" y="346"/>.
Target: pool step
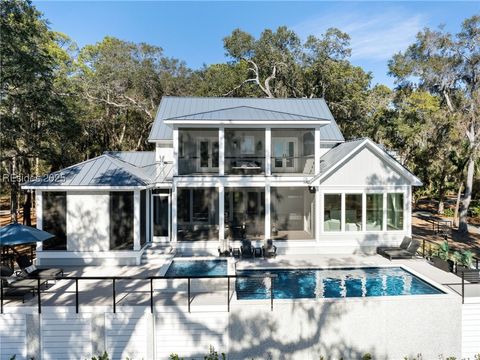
<point x="157" y="252"/>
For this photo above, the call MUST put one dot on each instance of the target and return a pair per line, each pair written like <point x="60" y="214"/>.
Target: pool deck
<point x="137" y="292"/>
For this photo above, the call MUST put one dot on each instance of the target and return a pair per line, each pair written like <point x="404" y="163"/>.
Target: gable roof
<point x="248" y="109"/>
<point x="340" y="154"/>
<point x="110" y="170"/>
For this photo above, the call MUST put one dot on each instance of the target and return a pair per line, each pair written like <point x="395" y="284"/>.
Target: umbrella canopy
<point x="18" y="234"/>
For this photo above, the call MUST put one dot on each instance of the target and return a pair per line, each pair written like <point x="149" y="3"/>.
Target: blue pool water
<point x="335" y="283"/>
<point x="197" y="268"/>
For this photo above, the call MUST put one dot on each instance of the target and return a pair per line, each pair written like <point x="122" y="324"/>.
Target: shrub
<point x="448" y="212"/>
<point x="463" y="257"/>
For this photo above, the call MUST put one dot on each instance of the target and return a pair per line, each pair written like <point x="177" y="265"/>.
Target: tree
<point x="449" y="66"/>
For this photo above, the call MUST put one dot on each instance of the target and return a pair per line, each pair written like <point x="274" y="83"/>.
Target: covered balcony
<point x="244" y="151"/>
<point x="293" y="151"/>
<point x="198" y="151"/>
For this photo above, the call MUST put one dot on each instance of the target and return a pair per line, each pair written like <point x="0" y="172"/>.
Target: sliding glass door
<point x="161" y="215"/>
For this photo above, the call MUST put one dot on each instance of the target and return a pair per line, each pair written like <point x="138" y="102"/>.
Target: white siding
<point x="126" y="336"/>
<point x="88" y="221"/>
<point x="66" y="336"/>
<point x="365" y="169"/>
<point x="470" y="330"/>
<point x="190" y="335"/>
<point x="164" y="151"/>
<point x="13" y="336"/>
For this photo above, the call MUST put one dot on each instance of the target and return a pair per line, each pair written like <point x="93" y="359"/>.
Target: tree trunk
<point x="441" y="196"/>
<point x="457" y="205"/>
<point x="27" y="206"/>
<point x="467" y="197"/>
<point x="14" y="191"/>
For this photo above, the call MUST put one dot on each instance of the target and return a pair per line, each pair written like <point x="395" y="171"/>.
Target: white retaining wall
<point x="470" y="330"/>
<point x="13" y="336"/>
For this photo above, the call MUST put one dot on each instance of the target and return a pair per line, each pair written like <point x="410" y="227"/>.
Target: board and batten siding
<point x="190" y="334"/>
<point x="66" y="336"/>
<point x="88" y="221"/>
<point x="470" y="330"/>
<point x="368" y="170"/>
<point x="13" y="336"/>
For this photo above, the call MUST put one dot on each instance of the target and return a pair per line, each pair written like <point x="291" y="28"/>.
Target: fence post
<point x="1" y="296"/>
<point x="151" y="295"/>
<point x="463" y="287"/>
<point x="271" y="293"/>
<point x="76" y="295"/>
<point x="38" y="296"/>
<point x="423" y="248"/>
<point x="228" y="293"/>
<point x="188" y="294"/>
<point x="114" y="297"/>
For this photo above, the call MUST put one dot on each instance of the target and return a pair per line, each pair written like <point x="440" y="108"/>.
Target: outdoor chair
<point x="14" y="287"/>
<point x="408" y="253"/>
<point x="246" y="249"/>
<point x="31" y="271"/>
<point x="269" y="250"/>
<point x="403" y="246"/>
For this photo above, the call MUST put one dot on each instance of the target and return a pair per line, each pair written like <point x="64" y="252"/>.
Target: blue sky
<point x="193" y="31"/>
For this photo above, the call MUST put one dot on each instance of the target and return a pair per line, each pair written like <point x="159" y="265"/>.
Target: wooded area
<point x="61" y="104"/>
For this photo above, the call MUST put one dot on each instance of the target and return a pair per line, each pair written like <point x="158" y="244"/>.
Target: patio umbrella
<point x="18" y="234"/>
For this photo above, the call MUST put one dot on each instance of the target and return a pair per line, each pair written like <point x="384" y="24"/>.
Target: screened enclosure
<point x="197" y="214"/>
<point x="244" y="213"/>
<point x="244" y="151"/>
<point x="292" y="213"/>
<point x="121" y="220"/>
<point x="293" y="151"/>
<point x="198" y="151"/>
<point x="54" y="208"/>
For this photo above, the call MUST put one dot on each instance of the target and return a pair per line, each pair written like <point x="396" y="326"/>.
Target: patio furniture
<point x="408" y="253"/>
<point x="15" y="287"/>
<point x="269" y="250"/>
<point x="31" y="271"/>
<point x="257" y="252"/>
<point x="403" y="246"/>
<point x="236" y="252"/>
<point x="246" y="249"/>
<point x="224" y="253"/>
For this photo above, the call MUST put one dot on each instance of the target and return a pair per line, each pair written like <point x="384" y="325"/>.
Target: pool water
<point x="336" y="283"/>
<point x="197" y="268"/>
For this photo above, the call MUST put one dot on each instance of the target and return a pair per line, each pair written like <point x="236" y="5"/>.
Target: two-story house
<point x="225" y="169"/>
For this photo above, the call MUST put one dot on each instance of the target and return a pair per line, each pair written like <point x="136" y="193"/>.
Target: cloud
<point x="373" y="36"/>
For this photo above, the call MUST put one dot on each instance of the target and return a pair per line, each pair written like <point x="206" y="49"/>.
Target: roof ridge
<point x="132" y="167"/>
<point x="241" y="97"/>
<point x="249" y="107"/>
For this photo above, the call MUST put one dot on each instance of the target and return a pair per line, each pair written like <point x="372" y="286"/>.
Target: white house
<point x="224" y="169"/>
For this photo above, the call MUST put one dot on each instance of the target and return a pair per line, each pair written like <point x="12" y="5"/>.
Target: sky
<point x="193" y="31"/>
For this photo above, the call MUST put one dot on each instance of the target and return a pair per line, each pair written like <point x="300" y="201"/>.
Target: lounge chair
<point x="19" y="288"/>
<point x="269" y="250"/>
<point x="408" y="253"/>
<point x="403" y="246"/>
<point x="31" y="271"/>
<point x="246" y="249"/>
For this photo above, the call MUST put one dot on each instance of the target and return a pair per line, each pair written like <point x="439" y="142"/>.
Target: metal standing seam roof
<point x="201" y="108"/>
<point x="111" y="169"/>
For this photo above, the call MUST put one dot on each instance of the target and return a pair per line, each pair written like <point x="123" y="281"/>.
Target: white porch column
<point x="318" y="213"/>
<point x="267" y="211"/>
<point x="221" y="213"/>
<point x="407" y="211"/>
<point x="175" y="151"/>
<point x="148" y="215"/>
<point x="342" y="211"/>
<point x="317" y="150"/>
<point x="136" y="220"/>
<point x="268" y="151"/>
<point x="173" y="234"/>
<point x="39" y="215"/>
<point x="364" y="211"/>
<point x="221" y="151"/>
<point x="384" y="227"/>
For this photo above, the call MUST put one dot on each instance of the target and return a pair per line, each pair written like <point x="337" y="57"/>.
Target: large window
<point x="293" y="151"/>
<point x="244" y="151"/>
<point x="121" y="220"/>
<point x="374" y="212"/>
<point x="292" y="213"/>
<point x="395" y="211"/>
<point x="143" y="217"/>
<point x="160" y="212"/>
<point x="353" y="212"/>
<point x="197" y="214"/>
<point x="332" y="212"/>
<point x="54" y="207"/>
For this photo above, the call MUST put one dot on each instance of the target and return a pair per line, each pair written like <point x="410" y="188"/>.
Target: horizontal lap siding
<point x="66" y="336"/>
<point x="126" y="336"/>
<point x="470" y="330"/>
<point x="13" y="336"/>
<point x="190" y="335"/>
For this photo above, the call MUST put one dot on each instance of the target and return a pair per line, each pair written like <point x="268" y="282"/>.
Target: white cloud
<point x="373" y="36"/>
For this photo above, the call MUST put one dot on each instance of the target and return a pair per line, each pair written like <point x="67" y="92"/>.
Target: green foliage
<point x="104" y="356"/>
<point x="449" y="212"/>
<point x="463" y="257"/>
<point x="443" y="251"/>
<point x="212" y="355"/>
<point x="367" y="356"/>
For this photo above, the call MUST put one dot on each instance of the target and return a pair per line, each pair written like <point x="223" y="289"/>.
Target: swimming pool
<point x="332" y="283"/>
<point x="197" y="268"/>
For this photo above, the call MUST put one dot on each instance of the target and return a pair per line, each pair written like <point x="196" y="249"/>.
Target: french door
<point x="208" y="151"/>
<point x="161" y="217"/>
<point x="284" y="154"/>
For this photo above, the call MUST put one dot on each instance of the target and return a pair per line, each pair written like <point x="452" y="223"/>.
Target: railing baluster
<point x="151" y="295"/>
<point x="1" y="296"/>
<point x="38" y="296"/>
<point x="228" y="294"/>
<point x="114" y="297"/>
<point x="271" y="293"/>
<point x="463" y="287"/>
<point x="188" y="295"/>
<point x="76" y="295"/>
